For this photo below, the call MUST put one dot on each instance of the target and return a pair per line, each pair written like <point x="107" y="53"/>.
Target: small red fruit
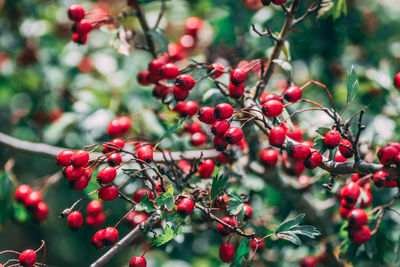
<point x="79" y="38"/>
<point x="293" y="93"/>
<point x="230" y="221"/>
<point x="233" y="135"/>
<point x="94" y="207"/>
<point x="396" y="80"/>
<point x="63" y="158"/>
<point x="279" y="2"/>
<point x="160" y="90"/>
<point x="206" y="115"/>
<point x="185" y="207"/>
<point x="40" y="212"/>
<point x="193" y="25"/>
<point x="119" y="126"/>
<point x="143" y="77"/>
<point x="138" y="261"/>
<point x="357" y="218"/>
<point x="272" y="108"/>
<point x="73" y="173"/>
<point x="223" y="111"/>
<point x="332" y="139"/>
<point x="189" y="109"/>
<point x="75" y="220"/>
<point x="114" y="145"/>
<point x="309" y="261"/>
<point x="198" y="139"/>
<point x="313" y="161"/>
<point x="33" y="198"/>
<point x="277" y="136"/>
<point x="299" y="151"/>
<point x="145" y="153"/>
<point x="220" y="127"/>
<point x="21" y="192"/>
<point x="216" y="69"/>
<point x="137" y="196"/>
<point x="107" y="175"/>
<point x="236" y="91"/>
<point x="169" y="71"/>
<point x="115" y="159"/>
<point x="193" y="127"/>
<point x="268" y="96"/>
<point x="27" y="258"/>
<point x="83" y="26"/>
<point x="248" y="211"/>
<point x="387" y="155"/>
<point x="350" y="192"/>
<point x="109" y="236"/>
<point x="80" y="158"/>
<point x="76" y="12"/>
<point x="108" y="192"/>
<point x="185" y="81"/>
<point x="238" y="76"/>
<point x="180" y="93"/>
<point x="206" y="168"/>
<point x="97" y="240"/>
<point x="345" y="148"/>
<point x="360" y="235"/>
<point x="219" y="143"/>
<point x="226" y="252"/>
<point x="269" y="157"/>
<point x="343" y="211"/>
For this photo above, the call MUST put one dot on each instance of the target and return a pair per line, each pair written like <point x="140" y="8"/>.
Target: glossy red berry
<point x="269" y="157"/>
<point x="73" y="173"/>
<point x="309" y="261"/>
<point x="296" y="133"/>
<point x="268" y="96"/>
<point x="236" y="91"/>
<point x="360" y="235"/>
<point x="107" y="175"/>
<point x="238" y="76"/>
<point x="344" y="211"/>
<point x="185" y="81"/>
<point x="350" y="192"/>
<point x="145" y="153"/>
<point x="109" y="236"/>
<point x="137" y="196"/>
<point x="108" y="192"/>
<point x="292" y="93"/>
<point x="185" y="207"/>
<point x="79" y="184"/>
<point x="219" y="127"/>
<point x="114" y="160"/>
<point x="169" y="71"/>
<point x="345" y="148"/>
<point x="339" y="157"/>
<point x="387" y="155"/>
<point x="155" y="70"/>
<point x="193" y="25"/>
<point x="189" y="109"/>
<point x="272" y="108"/>
<point x="193" y="127"/>
<point x="143" y="77"/>
<point x="198" y="139"/>
<point x="382" y="179"/>
<point x="248" y="211"/>
<point x="75" y="220"/>
<point x="94" y="207"/>
<point x="114" y="145"/>
<point x="76" y="12"/>
<point x="135" y="218"/>
<point x="40" y="212"/>
<point x="216" y="70"/>
<point x="63" y="158"/>
<point x="119" y="126"/>
<point x="206" y="168"/>
<point x="97" y="239"/>
<point x="396" y="80"/>
<point x="83" y="26"/>
<point x="96" y="221"/>
<point x="222" y="202"/>
<point x="206" y="115"/>
<point x="80" y="158"/>
<point x="233" y="135"/>
<point x="332" y="139"/>
<point x="313" y="161"/>
<point x="226" y="252"/>
<point x="33" y="198"/>
<point x="279" y="2"/>
<point x="21" y="192"/>
<point x="180" y="93"/>
<point x="27" y="258"/>
<point x="254" y="246"/>
<point x="160" y="90"/>
<point x="228" y="220"/>
<point x="357" y="218"/>
<point x="79" y="38"/>
<point x="138" y="261"/>
<point x="299" y="151"/>
<point x="219" y="143"/>
<point x="223" y="111"/>
<point x="277" y="136"/>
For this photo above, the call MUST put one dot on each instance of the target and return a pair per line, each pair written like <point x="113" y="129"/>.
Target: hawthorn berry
<point x="154" y="68"/>
<point x="272" y="108"/>
<point x="279" y="2"/>
<point x="313" y="161"/>
<point x="21" y="192"/>
<point x="189" y="109"/>
<point x="366" y="201"/>
<point x="75" y="220"/>
<point x="350" y="192"/>
<point x="357" y="218"/>
<point x="309" y="261"/>
<point x="40" y="212"/>
<point x="343" y="211"/>
<point x="299" y="151"/>
<point x="180" y="93"/>
<point x="79" y="38"/>
<point x="269" y="157"/>
<point x="143" y="77"/>
<point x="222" y="202"/>
<point x="80" y="158"/>
<point x="332" y="139"/>
<point x="248" y="211"/>
<point x="345" y="148"/>
<point x="187" y="41"/>
<point x="236" y="91"/>
<point x="114" y="145"/>
<point x="138" y="261"/>
<point x="119" y="126"/>
<point x="238" y="76"/>
<point x="169" y="71"/>
<point x="339" y="157"/>
<point x="387" y="155"/>
<point x="193" y="25"/>
<point x="193" y="127"/>
<point x="233" y="135"/>
<point x="79" y="184"/>
<point x="33" y="198"/>
<point x="114" y="160"/>
<point x="292" y="93"/>
<point x="277" y="136"/>
<point x="206" y="168"/>
<point x="219" y="127"/>
<point x="268" y="96"/>
<point x="226" y="252"/>
<point x="97" y="239"/>
<point x="216" y="70"/>
<point x="396" y="80"/>
<point x="108" y="192"/>
<point x="137" y="196"/>
<point x="27" y="258"/>
<point x="185" y="166"/>
<point x="296" y="133"/>
<point x="253" y="244"/>
<point x="76" y="12"/>
<point x="198" y="139"/>
<point x="228" y="220"/>
<point x="223" y="111"/>
<point x="135" y="218"/>
<point x="107" y="175"/>
<point x="145" y="153"/>
<point x="348" y="205"/>
<point x="185" y="206"/>
<point x="185" y="81"/>
<point x="206" y="115"/>
<point x="109" y="236"/>
<point x="382" y="179"/>
<point x="63" y="158"/>
<point x="73" y="173"/>
<point x="96" y="221"/>
<point x="83" y="26"/>
<point x="160" y="90"/>
<point x="360" y="235"/>
<point x="303" y="180"/>
<point x="94" y="207"/>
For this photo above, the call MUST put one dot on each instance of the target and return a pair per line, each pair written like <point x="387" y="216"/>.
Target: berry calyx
<point x="238" y="76"/>
<point x="108" y="192"/>
<point x="332" y="139"/>
<point x="185" y="207"/>
<point x="206" y="168"/>
<point x="27" y="258"/>
<point x="233" y="135"/>
<point x="206" y="115"/>
<point x="107" y="175"/>
<point x="292" y="93"/>
<point x="277" y="136"/>
<point x="75" y="220"/>
<point x="219" y="127"/>
<point x="226" y="252"/>
<point x="138" y="261"/>
<point x="223" y="111"/>
<point x="272" y="108"/>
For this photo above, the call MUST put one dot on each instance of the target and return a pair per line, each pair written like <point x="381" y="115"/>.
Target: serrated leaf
<point x="167" y="198"/>
<point x="145" y="204"/>
<point x="159" y="37"/>
<point x="352" y="85"/>
<point x="290" y="229"/>
<point x="167" y="236"/>
<point x="235" y="204"/>
<point x="218" y="183"/>
<point x="242" y="251"/>
<point x="286" y="66"/>
<point x="170" y="131"/>
<point x="306" y="230"/>
<point x="291" y="223"/>
<point x="290" y="237"/>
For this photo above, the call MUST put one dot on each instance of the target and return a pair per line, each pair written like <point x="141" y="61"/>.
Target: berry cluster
<point x="81" y="27"/>
<point x="32" y="201"/>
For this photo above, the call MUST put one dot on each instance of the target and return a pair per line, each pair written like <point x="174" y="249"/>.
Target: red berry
<point x="155" y="70"/>
<point x="296" y="133"/>
<point x="382" y="179"/>
<point x="277" y="136"/>
<point x="138" y="261"/>
<point x="119" y="126"/>
<point x="21" y="192"/>
<point x="396" y="80"/>
<point x="135" y="218"/>
<point x="33" y="198"/>
<point x="40" y="212"/>
<point x="339" y="157"/>
<point x="313" y="161"/>
<point x="187" y="41"/>
<point x="27" y="258"/>
<point x="190" y="108"/>
<point x="387" y="155"/>
<point x="193" y="25"/>
<point x="360" y="235"/>
<point x="345" y="148"/>
<point x="107" y="175"/>
<point x="79" y="38"/>
<point x="268" y="96"/>
<point x="81" y="183"/>
<point x="269" y="157"/>
<point x="309" y="261"/>
<point x="160" y="90"/>
<point x="222" y="203"/>
<point x="226" y="252"/>
<point x="350" y="192"/>
<point x="143" y="77"/>
<point x="115" y="159"/>
<point x="253" y="244"/>
<point x="109" y="236"/>
<point x="198" y="139"/>
<point x="94" y="207"/>
<point x="108" y="192"/>
<point x="216" y="69"/>
<point x="114" y="145"/>
<point x="80" y="158"/>
<point x="63" y="158"/>
<point x="206" y="115"/>
<point x="96" y="221"/>
<point x="185" y="207"/>
<point x="206" y="168"/>
<point x="357" y="218"/>
<point x="236" y="91"/>
<point x="185" y="166"/>
<point x="220" y="127"/>
<point x="299" y="151"/>
<point x="279" y="2"/>
<point x="145" y="153"/>
<point x="248" y="211"/>
<point x="83" y="26"/>
<point x="137" y="196"/>
<point x="76" y="12"/>
<point x="366" y="201"/>
<point x="192" y="128"/>
<point x="222" y="229"/>
<point x="75" y="220"/>
<point x="219" y="143"/>
<point x="97" y="239"/>
<point x="180" y="93"/>
<point x="293" y="93"/>
<point x="169" y="71"/>
<point x="272" y="108"/>
<point x="73" y="173"/>
<point x="223" y="111"/>
<point x="238" y="76"/>
<point x="233" y="135"/>
<point x="185" y="81"/>
<point x="344" y="212"/>
<point x="332" y="139"/>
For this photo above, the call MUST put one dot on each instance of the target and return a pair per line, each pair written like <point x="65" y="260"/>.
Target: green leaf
<point x="323" y="130"/>
<point x="218" y="183"/>
<point x="159" y="37"/>
<point x="145" y="204"/>
<point x="290" y="229"/>
<point x="291" y="223"/>
<point x="319" y="145"/>
<point x="340" y="8"/>
<point x="242" y="251"/>
<point x="168" y="235"/>
<point x="284" y="116"/>
<point x="352" y="85"/>
<point x="170" y="131"/>
<point x="235" y="204"/>
<point x="286" y="66"/>
<point x="290" y="237"/>
<point x="167" y="198"/>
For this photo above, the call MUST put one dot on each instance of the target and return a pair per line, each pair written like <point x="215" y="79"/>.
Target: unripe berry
<point x="313" y="161"/>
<point x="40" y="212"/>
<point x="185" y="81"/>
<point x="206" y="115"/>
<point x="360" y="235"/>
<point x="97" y="241"/>
<point x="108" y="192"/>
<point x="226" y="252"/>
<point x="216" y="69"/>
<point x="272" y="108"/>
<point x="114" y="160"/>
<point x="309" y="261"/>
<point x="143" y="77"/>
<point x="138" y="261"/>
<point x="21" y="192"/>
<point x="277" y="136"/>
<point x="145" y="153"/>
<point x="222" y="229"/>
<point x="357" y="218"/>
<point x="169" y="71"/>
<point x="396" y="80"/>
<point x="233" y="135"/>
<point x="219" y="143"/>
<point x="63" y="158"/>
<point x="189" y="109"/>
<point x="332" y="139"/>
<point x="268" y="96"/>
<point x="137" y="196"/>
<point x="109" y="236"/>
<point x="76" y="12"/>
<point x="238" y="76"/>
<point x="27" y="258"/>
<point x="292" y="94"/>
<point x="248" y="211"/>
<point x="33" y="198"/>
<point x="299" y="151"/>
<point x="220" y="127"/>
<point x="345" y="148"/>
<point x="350" y="192"/>
<point x="236" y="91"/>
<point x="269" y="157"/>
<point x="107" y="175"/>
<point x="83" y="26"/>
<point x="75" y="220"/>
<point x="80" y="158"/>
<point x="198" y="139"/>
<point x="185" y="207"/>
<point x="223" y="111"/>
<point x="206" y="168"/>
